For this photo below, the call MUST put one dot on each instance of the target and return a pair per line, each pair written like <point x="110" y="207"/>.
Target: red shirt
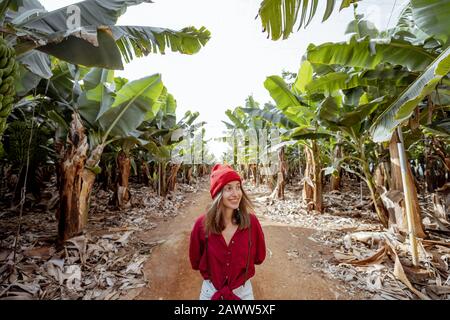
<point x="226" y="264"/>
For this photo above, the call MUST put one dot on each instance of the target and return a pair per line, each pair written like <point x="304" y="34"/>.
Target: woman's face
<point x="232" y="194"/>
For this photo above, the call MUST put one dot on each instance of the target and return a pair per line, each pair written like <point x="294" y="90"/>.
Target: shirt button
<point x="232" y="241"/>
<point x="228" y="264"/>
<point x="229" y="252"/>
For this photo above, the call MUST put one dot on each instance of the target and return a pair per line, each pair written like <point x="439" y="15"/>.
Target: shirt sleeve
<point x="260" y="242"/>
<point x="196" y="245"/>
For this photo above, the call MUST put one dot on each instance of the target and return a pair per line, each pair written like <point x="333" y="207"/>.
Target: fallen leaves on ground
<point x="370" y="259"/>
<point x="101" y="264"/>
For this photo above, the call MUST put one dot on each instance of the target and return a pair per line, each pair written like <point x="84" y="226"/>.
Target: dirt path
<point x="287" y="272"/>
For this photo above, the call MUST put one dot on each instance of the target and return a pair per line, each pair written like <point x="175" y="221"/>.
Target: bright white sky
<point x="238" y="57"/>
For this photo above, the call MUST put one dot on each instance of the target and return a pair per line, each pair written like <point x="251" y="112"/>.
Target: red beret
<point x="220" y="176"/>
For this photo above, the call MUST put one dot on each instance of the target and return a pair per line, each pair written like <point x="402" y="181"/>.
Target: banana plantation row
<point x="376" y="107"/>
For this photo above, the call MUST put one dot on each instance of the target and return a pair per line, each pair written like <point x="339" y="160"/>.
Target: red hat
<point x="220" y="176"/>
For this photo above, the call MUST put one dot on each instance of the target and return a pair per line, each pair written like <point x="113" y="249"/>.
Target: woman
<point x="227" y="241"/>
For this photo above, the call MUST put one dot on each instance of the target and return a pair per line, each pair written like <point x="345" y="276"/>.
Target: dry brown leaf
<point x="18" y="296"/>
<point x="376" y="258"/>
<point x="79" y="243"/>
<point x="31" y="288"/>
<point x="440" y="290"/>
<point x="124" y="238"/>
<point x="73" y="276"/>
<point x="40" y="252"/>
<point x="344" y="257"/>
<point x="400" y="273"/>
<point x="4" y="254"/>
<point x="135" y="267"/>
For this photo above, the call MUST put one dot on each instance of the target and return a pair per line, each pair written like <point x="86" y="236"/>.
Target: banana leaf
<point x="130" y="106"/>
<point x="304" y="77"/>
<point x="404" y="105"/>
<point x="283" y="96"/>
<point x="433" y="17"/>
<point x="278" y="17"/>
<point x="94" y="41"/>
<point x="337" y="81"/>
<point x="272" y="117"/>
<point x="368" y="54"/>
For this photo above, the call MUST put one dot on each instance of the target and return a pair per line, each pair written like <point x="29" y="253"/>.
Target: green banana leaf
<point x="237" y="122"/>
<point x="144" y="40"/>
<point x="103" y="93"/>
<point x="407" y="29"/>
<point x="131" y="105"/>
<point x="330" y="111"/>
<point x="282" y="94"/>
<point x="362" y="28"/>
<point x="439" y="128"/>
<point x="304" y="77"/>
<point x="97" y="42"/>
<point x="272" y="117"/>
<point x="91" y="13"/>
<point x="160" y="153"/>
<point x="369" y="54"/>
<point x="404" y="105"/>
<point x="278" y="17"/>
<point x="26" y="81"/>
<point x="36" y="62"/>
<point x="128" y="109"/>
<point x="336" y="81"/>
<point x="91" y="47"/>
<point x="433" y="17"/>
<point x="308" y="133"/>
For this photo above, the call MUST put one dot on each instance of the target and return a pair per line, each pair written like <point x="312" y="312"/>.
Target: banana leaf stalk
<point x="408" y="199"/>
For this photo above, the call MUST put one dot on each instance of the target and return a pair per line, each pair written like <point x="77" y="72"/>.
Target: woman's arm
<point x="196" y="244"/>
<point x="260" y="242"/>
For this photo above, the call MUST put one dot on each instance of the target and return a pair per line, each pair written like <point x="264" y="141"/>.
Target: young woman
<point x="227" y="241"/>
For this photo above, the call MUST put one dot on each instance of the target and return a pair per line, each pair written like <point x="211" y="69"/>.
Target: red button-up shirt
<point x="226" y="264"/>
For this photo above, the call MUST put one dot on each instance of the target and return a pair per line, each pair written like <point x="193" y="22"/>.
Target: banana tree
<point x="161" y="136"/>
<point x="300" y="108"/>
<point x="364" y="55"/>
<point x="402" y="108"/>
<point x="27" y="143"/>
<point x="251" y="126"/>
<point x="124" y="160"/>
<point x="110" y="115"/>
<point x="238" y="125"/>
<point x="269" y="117"/>
<point x="351" y="121"/>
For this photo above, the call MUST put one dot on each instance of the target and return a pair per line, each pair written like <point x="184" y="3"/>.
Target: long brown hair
<point x="213" y="219"/>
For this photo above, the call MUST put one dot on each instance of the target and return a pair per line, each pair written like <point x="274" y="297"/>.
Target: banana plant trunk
<point x="59" y="150"/>
<point x="318" y="197"/>
<point x="145" y="173"/>
<point x="308" y="185"/>
<point x="260" y="170"/>
<point x="396" y="184"/>
<point x="380" y="209"/>
<point x="77" y="180"/>
<point x="336" y="178"/>
<point x="123" y="194"/>
<point x="172" y="180"/>
<point x="254" y="169"/>
<point x="282" y="172"/>
<point x="187" y="174"/>
<point x="162" y="179"/>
